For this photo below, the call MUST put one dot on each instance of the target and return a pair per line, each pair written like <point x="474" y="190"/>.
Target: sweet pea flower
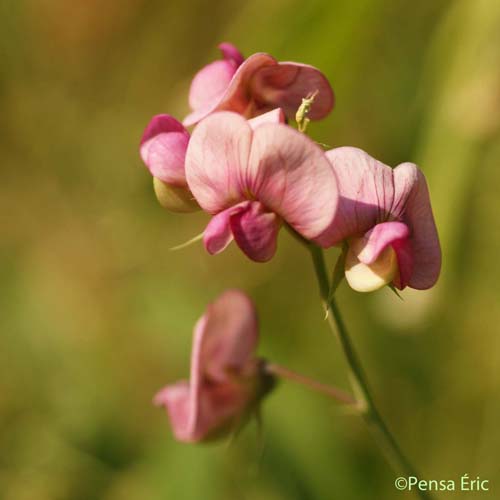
<point x="255" y="85"/>
<point x="163" y="149"/>
<point x="226" y="381"/>
<point x="385" y="216"/>
<point x="253" y="180"/>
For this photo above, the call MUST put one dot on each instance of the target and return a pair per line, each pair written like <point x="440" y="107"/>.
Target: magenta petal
<point x="377" y="238"/>
<point x="366" y="192"/>
<point x="218" y="235"/>
<point x="231" y="53"/>
<point x="163" y="149"/>
<point x="404" y="254"/>
<point x="290" y="175"/>
<point x="419" y="218"/>
<point x="255" y="231"/>
<point x="217" y="159"/>
<point x="286" y="83"/>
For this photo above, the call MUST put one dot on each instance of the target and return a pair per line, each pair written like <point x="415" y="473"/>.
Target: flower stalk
<point x="338" y="395"/>
<point x="365" y="402"/>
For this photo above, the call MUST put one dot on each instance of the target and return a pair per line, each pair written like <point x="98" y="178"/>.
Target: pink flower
<point x="255" y="85"/>
<point x="253" y="180"/>
<point x="226" y="383"/>
<point x="163" y="149"/>
<point x="386" y="216"/>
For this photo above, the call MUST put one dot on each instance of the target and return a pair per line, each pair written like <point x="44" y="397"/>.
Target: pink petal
<point x="231" y="53"/>
<point x="273" y="116"/>
<point x="225" y="339"/>
<point x="236" y="96"/>
<point x="217" y="159"/>
<point x="377" y="238"/>
<point x="419" y="218"/>
<point x="228" y="337"/>
<point x="286" y="83"/>
<point x="290" y="175"/>
<point x="163" y="149"/>
<point x="255" y="231"/>
<point x="366" y="192"/>
<point x="404" y="254"/>
<point x="176" y="400"/>
<point x="210" y="83"/>
<point x="218" y="235"/>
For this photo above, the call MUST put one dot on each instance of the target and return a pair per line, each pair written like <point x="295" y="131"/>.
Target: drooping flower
<point x="252" y="181"/>
<point x="385" y="216"/>
<point x="163" y="149"/>
<point x="226" y="381"/>
<point x="255" y="85"/>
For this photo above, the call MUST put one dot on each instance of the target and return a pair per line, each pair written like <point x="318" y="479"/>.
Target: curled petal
<point x="379" y="237"/>
<point x="255" y="231"/>
<point x="291" y="176"/>
<point x="404" y="254"/>
<point x="176" y="399"/>
<point x="286" y="83"/>
<point x="366" y="192"/>
<point x="424" y="241"/>
<point x="218" y="234"/>
<point x="163" y="149"/>
<point x="260" y="84"/>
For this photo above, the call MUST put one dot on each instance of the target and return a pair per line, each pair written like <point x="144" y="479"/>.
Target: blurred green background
<point x="96" y="313"/>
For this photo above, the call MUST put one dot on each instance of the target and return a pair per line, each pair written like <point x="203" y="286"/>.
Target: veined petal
<point x="217" y="159"/>
<point x="290" y="175"/>
<point x="255" y="230"/>
<point x="366" y="192"/>
<point x="286" y="83"/>
<point x="163" y="149"/>
<point x="425" y="246"/>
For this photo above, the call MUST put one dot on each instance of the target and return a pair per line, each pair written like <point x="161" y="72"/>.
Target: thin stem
<point x="358" y="378"/>
<point x="333" y="392"/>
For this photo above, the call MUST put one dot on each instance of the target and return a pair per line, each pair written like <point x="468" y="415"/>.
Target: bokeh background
<point x="96" y="313"/>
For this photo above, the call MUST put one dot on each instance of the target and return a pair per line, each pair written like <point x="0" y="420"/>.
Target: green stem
<point x="366" y="403"/>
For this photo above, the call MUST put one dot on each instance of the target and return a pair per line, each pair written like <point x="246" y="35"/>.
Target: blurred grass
<point x="96" y="313"/>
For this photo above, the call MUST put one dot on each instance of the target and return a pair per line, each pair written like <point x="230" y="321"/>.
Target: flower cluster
<point x="253" y="173"/>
